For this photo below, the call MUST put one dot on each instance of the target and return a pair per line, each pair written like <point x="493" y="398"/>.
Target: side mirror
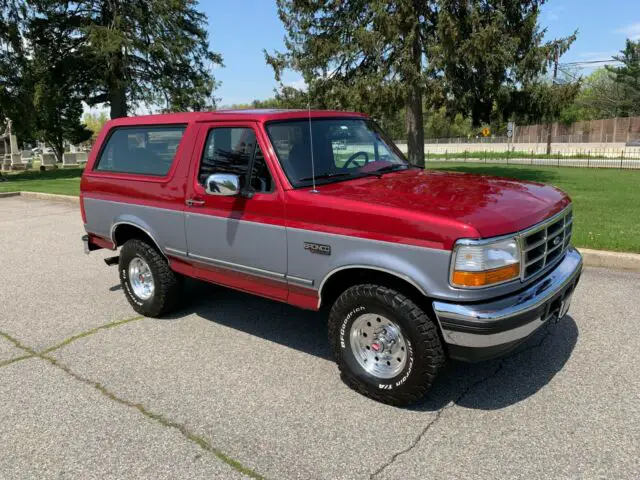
<point x="225" y="184"/>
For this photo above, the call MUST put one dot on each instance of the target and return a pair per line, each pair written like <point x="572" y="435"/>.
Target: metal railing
<point x="626" y="158"/>
<point x="620" y="137"/>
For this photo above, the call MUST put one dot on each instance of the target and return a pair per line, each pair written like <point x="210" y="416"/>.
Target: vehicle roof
<point x="259" y="115"/>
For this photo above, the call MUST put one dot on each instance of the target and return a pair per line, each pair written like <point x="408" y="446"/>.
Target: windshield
<point x="343" y="148"/>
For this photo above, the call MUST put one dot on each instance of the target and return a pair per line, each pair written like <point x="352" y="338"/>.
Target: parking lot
<point x="234" y="385"/>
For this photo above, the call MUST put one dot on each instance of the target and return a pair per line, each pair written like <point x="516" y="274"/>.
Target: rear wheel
<point x="386" y="347"/>
<point x="151" y="287"/>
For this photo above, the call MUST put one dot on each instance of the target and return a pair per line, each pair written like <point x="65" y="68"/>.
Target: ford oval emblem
<point x="556" y="241"/>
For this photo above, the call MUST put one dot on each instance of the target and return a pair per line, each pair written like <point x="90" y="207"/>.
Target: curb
<point x="43" y="196"/>
<point x="591" y="258"/>
<point x="611" y="260"/>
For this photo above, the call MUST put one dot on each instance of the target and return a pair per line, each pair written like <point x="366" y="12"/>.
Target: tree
<point x="152" y="52"/>
<point x="57" y="67"/>
<point x="600" y="96"/>
<point x="15" y="89"/>
<point x="627" y="77"/>
<point x="362" y="55"/>
<point x="95" y="122"/>
<point x="470" y="56"/>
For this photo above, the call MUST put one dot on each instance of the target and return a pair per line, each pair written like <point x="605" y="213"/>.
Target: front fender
<point x="425" y="268"/>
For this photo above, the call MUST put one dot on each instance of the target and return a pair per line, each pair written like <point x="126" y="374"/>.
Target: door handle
<point x="194" y="203"/>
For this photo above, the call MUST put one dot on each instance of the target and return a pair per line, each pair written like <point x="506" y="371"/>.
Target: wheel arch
<point x="339" y="279"/>
<point x="124" y="230"/>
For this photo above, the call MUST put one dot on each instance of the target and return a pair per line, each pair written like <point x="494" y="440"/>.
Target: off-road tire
<point x="167" y="283"/>
<point x="426" y="354"/>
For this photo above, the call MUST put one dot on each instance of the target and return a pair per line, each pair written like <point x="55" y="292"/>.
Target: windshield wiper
<point x="387" y="169"/>
<point x="324" y="176"/>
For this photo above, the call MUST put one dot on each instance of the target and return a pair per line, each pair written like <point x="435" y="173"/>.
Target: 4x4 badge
<point x="317" y="248"/>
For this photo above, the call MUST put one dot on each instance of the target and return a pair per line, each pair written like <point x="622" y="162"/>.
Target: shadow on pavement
<point x="522" y="373"/>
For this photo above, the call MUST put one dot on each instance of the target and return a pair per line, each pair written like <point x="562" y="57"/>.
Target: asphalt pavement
<point x="236" y="386"/>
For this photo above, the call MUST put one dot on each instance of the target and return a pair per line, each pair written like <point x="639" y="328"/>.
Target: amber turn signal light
<point x="482" y="279"/>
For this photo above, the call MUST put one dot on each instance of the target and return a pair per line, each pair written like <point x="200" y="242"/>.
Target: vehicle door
<point x="235" y="211"/>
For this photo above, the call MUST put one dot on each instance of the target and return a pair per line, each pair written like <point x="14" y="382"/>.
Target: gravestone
<point x="48" y="160"/>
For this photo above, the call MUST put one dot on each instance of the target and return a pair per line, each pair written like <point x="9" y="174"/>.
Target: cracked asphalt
<point x="235" y="386"/>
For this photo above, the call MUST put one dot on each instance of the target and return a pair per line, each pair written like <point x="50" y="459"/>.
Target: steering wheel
<point x="353" y="157"/>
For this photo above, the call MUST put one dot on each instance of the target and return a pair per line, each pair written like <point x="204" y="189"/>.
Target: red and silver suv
<point x="319" y="209"/>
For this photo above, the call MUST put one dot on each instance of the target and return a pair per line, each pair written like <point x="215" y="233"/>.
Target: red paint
<point x="244" y="282"/>
<point x="101" y="242"/>
<point x="262" y="207"/>
<point x="424" y="208"/>
<point x="302" y="297"/>
<point x="413" y="207"/>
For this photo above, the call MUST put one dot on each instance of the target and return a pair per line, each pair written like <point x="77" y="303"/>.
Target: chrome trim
<point x="563" y="244"/>
<point x="223" y="184"/>
<point x="466" y="339"/>
<point x="175" y="251"/>
<point x="543" y="224"/>
<point x="237" y="267"/>
<point x="115" y="225"/>
<point x="511" y="306"/>
<point x="519" y="238"/>
<point x="367" y="267"/>
<point x="301" y="281"/>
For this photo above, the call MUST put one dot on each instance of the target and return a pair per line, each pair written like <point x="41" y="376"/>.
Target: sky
<point x="241" y="29"/>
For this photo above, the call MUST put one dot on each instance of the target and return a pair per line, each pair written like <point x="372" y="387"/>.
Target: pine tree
<point x="381" y="56"/>
<point x="140" y="52"/>
<point x="627" y="77"/>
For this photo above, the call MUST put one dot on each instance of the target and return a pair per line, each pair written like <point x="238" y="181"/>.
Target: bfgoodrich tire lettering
<point x="424" y="352"/>
<point x="167" y="284"/>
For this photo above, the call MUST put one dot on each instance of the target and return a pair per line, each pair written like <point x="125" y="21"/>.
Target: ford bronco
<point x="320" y="209"/>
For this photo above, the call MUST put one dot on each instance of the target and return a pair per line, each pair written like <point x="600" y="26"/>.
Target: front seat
<point x="298" y="163"/>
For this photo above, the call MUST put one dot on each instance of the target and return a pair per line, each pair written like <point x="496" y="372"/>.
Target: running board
<point x="111" y="261"/>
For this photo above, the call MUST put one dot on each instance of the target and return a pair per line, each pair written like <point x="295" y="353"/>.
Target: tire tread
<point x="431" y="361"/>
<point x="167" y="283"/>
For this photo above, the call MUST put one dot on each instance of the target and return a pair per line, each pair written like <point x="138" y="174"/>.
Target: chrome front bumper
<point x="484" y="330"/>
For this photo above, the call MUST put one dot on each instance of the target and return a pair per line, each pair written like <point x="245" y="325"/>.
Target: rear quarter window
<point x="141" y="150"/>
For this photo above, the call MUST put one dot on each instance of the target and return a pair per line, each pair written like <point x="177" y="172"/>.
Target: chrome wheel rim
<point x="378" y="345"/>
<point x="141" y="279"/>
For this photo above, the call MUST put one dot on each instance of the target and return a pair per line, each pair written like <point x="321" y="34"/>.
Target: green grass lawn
<point x="59" y="181"/>
<point x="606" y="202"/>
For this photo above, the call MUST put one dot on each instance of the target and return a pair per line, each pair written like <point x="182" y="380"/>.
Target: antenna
<point x="313" y="167"/>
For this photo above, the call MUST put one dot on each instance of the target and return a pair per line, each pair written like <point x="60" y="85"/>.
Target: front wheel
<point x="385" y="346"/>
<point x="151" y="287"/>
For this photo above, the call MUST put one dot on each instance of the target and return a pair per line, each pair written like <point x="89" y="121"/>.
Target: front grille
<point x="545" y="244"/>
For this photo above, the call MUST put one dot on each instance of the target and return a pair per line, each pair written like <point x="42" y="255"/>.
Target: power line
<point x="590" y="62"/>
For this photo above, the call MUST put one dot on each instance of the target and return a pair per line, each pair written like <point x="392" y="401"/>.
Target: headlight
<point x="481" y="264"/>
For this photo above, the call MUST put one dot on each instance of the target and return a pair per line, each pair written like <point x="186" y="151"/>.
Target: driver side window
<point x="234" y="150"/>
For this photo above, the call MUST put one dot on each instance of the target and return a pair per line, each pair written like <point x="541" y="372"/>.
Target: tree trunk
<point x="59" y="153"/>
<point x="414" y="120"/>
<point x="118" y="102"/>
<point x="415" y="127"/>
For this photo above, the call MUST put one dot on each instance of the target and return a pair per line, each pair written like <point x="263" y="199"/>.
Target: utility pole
<point x="556" y="57"/>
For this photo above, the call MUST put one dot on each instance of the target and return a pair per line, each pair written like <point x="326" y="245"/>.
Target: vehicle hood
<point x="493" y="206"/>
